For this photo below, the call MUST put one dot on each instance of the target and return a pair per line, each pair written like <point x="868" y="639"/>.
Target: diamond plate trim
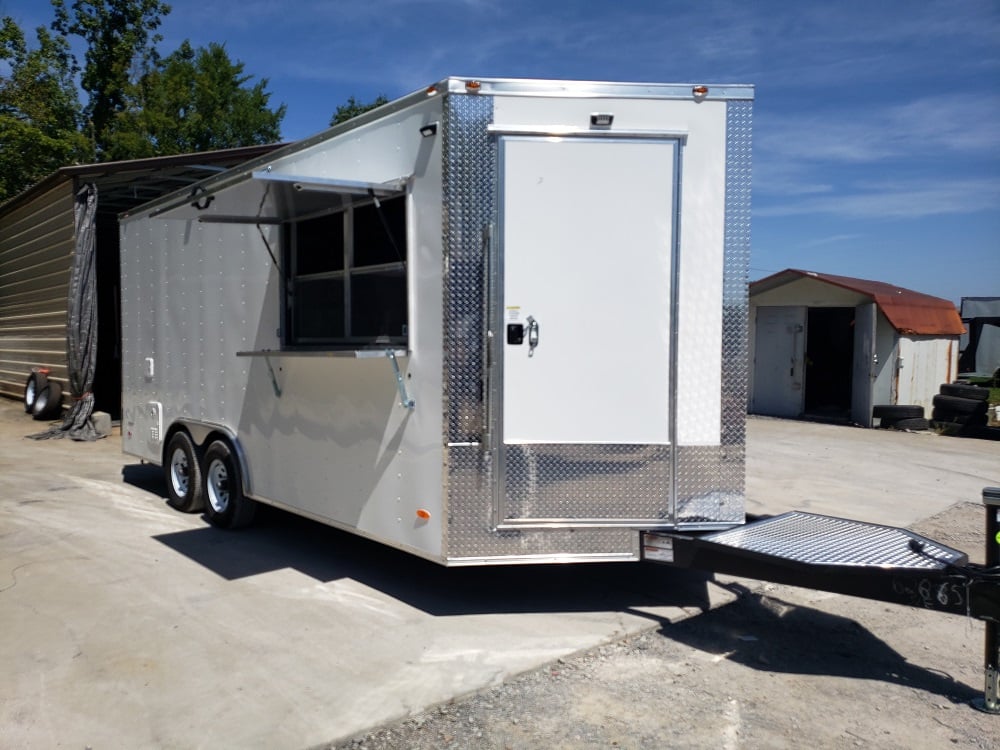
<point x="585" y="482"/>
<point x="824" y="540"/>
<point x="735" y="299"/>
<point x="469" y="189"/>
<point x="710" y="484"/>
<point x="470" y="532"/>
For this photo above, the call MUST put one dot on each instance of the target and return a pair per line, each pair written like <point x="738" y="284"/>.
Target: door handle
<point x="532" y="335"/>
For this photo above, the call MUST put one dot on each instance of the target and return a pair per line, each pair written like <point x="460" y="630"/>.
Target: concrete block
<point x="102" y="422"/>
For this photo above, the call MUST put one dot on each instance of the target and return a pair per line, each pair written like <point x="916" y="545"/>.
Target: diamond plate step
<point x="823" y="540"/>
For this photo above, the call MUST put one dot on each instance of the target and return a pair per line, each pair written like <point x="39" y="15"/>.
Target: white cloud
<point x="951" y="123"/>
<point x="896" y="200"/>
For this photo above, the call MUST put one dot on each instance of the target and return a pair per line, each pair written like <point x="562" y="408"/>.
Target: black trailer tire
<point x="182" y="470"/>
<point x="897" y="411"/>
<point x="48" y="402"/>
<point x="225" y="504"/>
<point x="912" y="423"/>
<point x="959" y="405"/>
<point x="963" y="390"/>
<point x="36" y="381"/>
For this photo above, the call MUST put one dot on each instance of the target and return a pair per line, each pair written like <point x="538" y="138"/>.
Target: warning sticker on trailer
<point x="660" y="549"/>
<point x="513" y="314"/>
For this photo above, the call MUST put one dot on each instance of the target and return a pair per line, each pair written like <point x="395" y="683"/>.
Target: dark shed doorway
<point x="108" y="373"/>
<point x="829" y="363"/>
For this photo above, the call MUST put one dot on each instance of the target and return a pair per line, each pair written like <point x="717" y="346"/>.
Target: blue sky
<point x="876" y="123"/>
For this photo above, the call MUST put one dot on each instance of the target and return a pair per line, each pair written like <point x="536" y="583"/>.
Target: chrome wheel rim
<point x="180" y="473"/>
<point x="218" y="486"/>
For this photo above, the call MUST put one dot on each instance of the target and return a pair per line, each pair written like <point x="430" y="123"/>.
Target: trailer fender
<point x="203" y="433"/>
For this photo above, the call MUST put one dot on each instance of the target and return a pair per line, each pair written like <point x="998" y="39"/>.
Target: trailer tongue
<point x="858" y="559"/>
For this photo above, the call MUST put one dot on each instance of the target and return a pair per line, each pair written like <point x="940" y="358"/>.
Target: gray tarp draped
<point x="81" y="324"/>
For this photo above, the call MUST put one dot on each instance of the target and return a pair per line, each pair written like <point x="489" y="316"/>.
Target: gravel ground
<point x="781" y="667"/>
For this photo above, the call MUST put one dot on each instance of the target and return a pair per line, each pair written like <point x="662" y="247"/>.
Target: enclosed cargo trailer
<point x="494" y="321"/>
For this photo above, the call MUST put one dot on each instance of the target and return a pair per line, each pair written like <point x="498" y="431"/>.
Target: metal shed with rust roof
<point x="832" y="347"/>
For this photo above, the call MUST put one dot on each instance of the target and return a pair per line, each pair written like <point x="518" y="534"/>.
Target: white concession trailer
<point x="494" y="321"/>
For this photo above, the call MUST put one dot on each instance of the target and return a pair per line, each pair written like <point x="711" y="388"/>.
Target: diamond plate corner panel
<point x="469" y="189"/>
<point x="735" y="301"/>
<point x="710" y="484"/>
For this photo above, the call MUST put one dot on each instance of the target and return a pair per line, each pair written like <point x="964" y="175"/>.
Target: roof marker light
<point x="474" y="86"/>
<point x="700" y="92"/>
<point x="431" y="90"/>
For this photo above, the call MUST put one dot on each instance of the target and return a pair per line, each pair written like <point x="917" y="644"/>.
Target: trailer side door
<point x="586" y="277"/>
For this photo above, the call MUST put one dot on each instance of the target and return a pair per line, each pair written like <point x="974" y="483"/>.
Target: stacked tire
<point x="42" y="397"/>
<point x="901" y="416"/>
<point x="961" y="404"/>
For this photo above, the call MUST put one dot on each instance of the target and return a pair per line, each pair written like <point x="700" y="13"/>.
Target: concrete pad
<point x="127" y="624"/>
<point x="880" y="476"/>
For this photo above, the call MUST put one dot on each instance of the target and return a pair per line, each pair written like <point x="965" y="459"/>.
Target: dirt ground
<point x="781" y="667"/>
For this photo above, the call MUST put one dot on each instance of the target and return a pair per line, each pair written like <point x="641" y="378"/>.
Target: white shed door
<point x="865" y="364"/>
<point x="778" y="365"/>
<point x="587" y="236"/>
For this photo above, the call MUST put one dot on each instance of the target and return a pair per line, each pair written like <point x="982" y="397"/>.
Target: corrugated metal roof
<point x="980" y="307"/>
<point x="909" y="312"/>
<point x="122" y="185"/>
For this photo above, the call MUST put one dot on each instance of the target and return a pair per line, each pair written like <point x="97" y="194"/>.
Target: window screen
<point x="347" y="277"/>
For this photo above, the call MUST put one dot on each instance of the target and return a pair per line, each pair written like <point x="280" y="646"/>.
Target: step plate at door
<point x="552" y="483"/>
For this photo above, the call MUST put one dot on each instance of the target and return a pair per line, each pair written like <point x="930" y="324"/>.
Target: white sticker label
<point x="662" y="551"/>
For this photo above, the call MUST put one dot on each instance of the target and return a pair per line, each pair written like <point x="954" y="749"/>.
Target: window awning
<point x="272" y="198"/>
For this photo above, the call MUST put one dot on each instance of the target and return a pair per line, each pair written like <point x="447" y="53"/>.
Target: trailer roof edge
<point x="452" y="85"/>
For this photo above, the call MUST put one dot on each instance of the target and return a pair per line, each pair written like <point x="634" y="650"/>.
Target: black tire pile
<point x="42" y="397"/>
<point x="901" y="416"/>
<point x="961" y="404"/>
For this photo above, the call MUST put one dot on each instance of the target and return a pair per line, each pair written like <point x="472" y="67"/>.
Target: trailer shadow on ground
<point x="278" y="540"/>
<point x="771" y="635"/>
<point x="758" y="631"/>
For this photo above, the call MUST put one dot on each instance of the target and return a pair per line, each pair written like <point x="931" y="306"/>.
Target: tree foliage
<point x="193" y="100"/>
<point x="39" y="109"/>
<point x="120" y="39"/>
<point x="352" y="108"/>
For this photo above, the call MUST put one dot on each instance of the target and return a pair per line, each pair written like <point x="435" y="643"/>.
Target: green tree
<point x="193" y="100"/>
<point x="39" y="109"/>
<point x="119" y="36"/>
<point x="353" y="108"/>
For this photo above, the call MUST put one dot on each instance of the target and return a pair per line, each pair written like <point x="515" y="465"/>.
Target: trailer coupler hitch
<point x="857" y="559"/>
<point x="991" y="657"/>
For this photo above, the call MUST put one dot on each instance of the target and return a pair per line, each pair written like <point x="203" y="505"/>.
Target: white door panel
<point x="587" y="241"/>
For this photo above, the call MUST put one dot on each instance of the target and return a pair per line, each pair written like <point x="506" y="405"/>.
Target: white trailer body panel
<point x="374" y="383"/>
